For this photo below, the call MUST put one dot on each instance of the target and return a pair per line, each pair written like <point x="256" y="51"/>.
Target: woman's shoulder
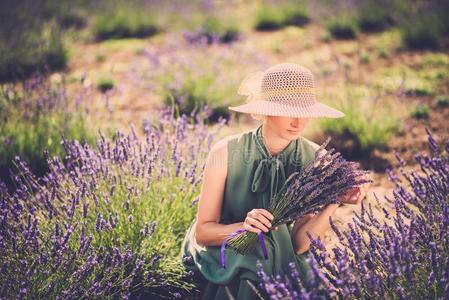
<point x="219" y="152"/>
<point x="221" y="145"/>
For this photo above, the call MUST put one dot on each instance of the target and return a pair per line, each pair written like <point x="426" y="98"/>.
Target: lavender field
<point x="108" y="110"/>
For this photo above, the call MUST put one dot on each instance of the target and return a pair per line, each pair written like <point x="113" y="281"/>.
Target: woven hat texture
<point x="285" y="89"/>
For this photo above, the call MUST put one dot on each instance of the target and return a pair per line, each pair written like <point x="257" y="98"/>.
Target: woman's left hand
<point x="354" y="195"/>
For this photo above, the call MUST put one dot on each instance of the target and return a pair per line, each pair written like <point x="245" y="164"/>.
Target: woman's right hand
<point x="257" y="220"/>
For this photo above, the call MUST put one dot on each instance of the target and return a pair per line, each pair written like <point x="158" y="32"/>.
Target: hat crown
<point x="288" y="83"/>
<point x="285" y="89"/>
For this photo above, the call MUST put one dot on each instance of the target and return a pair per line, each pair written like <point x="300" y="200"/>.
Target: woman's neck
<point x="274" y="143"/>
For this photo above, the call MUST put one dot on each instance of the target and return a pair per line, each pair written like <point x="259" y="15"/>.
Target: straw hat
<point x="285" y="89"/>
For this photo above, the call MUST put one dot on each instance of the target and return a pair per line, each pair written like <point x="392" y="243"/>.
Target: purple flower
<point x="404" y="259"/>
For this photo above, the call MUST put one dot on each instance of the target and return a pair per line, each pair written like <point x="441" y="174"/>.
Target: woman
<point x="244" y="171"/>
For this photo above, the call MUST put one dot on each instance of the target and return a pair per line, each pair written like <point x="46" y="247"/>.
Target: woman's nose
<point x="295" y="122"/>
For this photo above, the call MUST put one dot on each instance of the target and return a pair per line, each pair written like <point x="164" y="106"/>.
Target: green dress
<point x="253" y="176"/>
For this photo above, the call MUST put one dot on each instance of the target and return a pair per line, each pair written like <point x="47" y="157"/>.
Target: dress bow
<point x="270" y="171"/>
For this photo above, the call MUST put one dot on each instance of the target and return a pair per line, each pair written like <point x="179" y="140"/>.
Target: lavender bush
<point x="213" y="30"/>
<point x="33" y="115"/>
<point x="107" y="223"/>
<point x="404" y="256"/>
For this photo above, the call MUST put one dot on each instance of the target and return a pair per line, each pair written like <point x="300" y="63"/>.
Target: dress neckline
<point x="263" y="147"/>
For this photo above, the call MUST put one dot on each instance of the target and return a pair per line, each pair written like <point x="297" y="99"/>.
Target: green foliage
<point x="100" y="57"/>
<point x="423" y="32"/>
<point x="30" y="139"/>
<point x="273" y="17"/>
<point x="33" y="120"/>
<point x="435" y="60"/>
<point x="76" y="20"/>
<point x="415" y="83"/>
<point x="421" y="111"/>
<point x="29" y="48"/>
<point x="373" y="16"/>
<point x="326" y="71"/>
<point x="124" y="22"/>
<point x="364" y="57"/>
<point x="343" y="27"/>
<point x="296" y="14"/>
<point x="442" y="100"/>
<point x="67" y="13"/>
<point x="208" y="77"/>
<point x="365" y="119"/>
<point x="104" y="84"/>
<point x="443" y="12"/>
<point x="226" y="32"/>
<point x="370" y="134"/>
<point x="418" y="87"/>
<point x="326" y="37"/>
<point x="161" y="203"/>
<point x="383" y="52"/>
<point x="55" y="56"/>
<point x="268" y="18"/>
<point x="32" y="35"/>
<point x="434" y="69"/>
<point x="193" y="94"/>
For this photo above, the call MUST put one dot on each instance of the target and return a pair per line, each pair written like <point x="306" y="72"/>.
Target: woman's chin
<point x="293" y="134"/>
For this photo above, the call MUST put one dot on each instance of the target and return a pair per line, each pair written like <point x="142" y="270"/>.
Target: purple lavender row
<point x="81" y="231"/>
<point x="402" y="255"/>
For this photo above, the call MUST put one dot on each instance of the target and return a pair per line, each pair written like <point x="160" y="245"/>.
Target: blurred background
<point x="72" y="68"/>
<point x="108" y="110"/>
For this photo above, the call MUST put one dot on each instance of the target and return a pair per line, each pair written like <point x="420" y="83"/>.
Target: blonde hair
<point x="257" y="117"/>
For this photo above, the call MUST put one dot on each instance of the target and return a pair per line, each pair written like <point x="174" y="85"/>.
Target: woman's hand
<point x="258" y="220"/>
<point x="353" y="195"/>
<point x="356" y="194"/>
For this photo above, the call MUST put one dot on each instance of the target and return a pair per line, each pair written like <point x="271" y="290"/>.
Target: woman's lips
<point x="293" y="131"/>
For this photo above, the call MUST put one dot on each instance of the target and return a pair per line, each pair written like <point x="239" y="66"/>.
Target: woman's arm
<point x="209" y="232"/>
<point x="317" y="225"/>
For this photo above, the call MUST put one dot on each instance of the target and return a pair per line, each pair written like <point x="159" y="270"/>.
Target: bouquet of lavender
<point x="307" y="191"/>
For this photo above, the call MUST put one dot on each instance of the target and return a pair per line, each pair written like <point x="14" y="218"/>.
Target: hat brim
<point x="268" y="108"/>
